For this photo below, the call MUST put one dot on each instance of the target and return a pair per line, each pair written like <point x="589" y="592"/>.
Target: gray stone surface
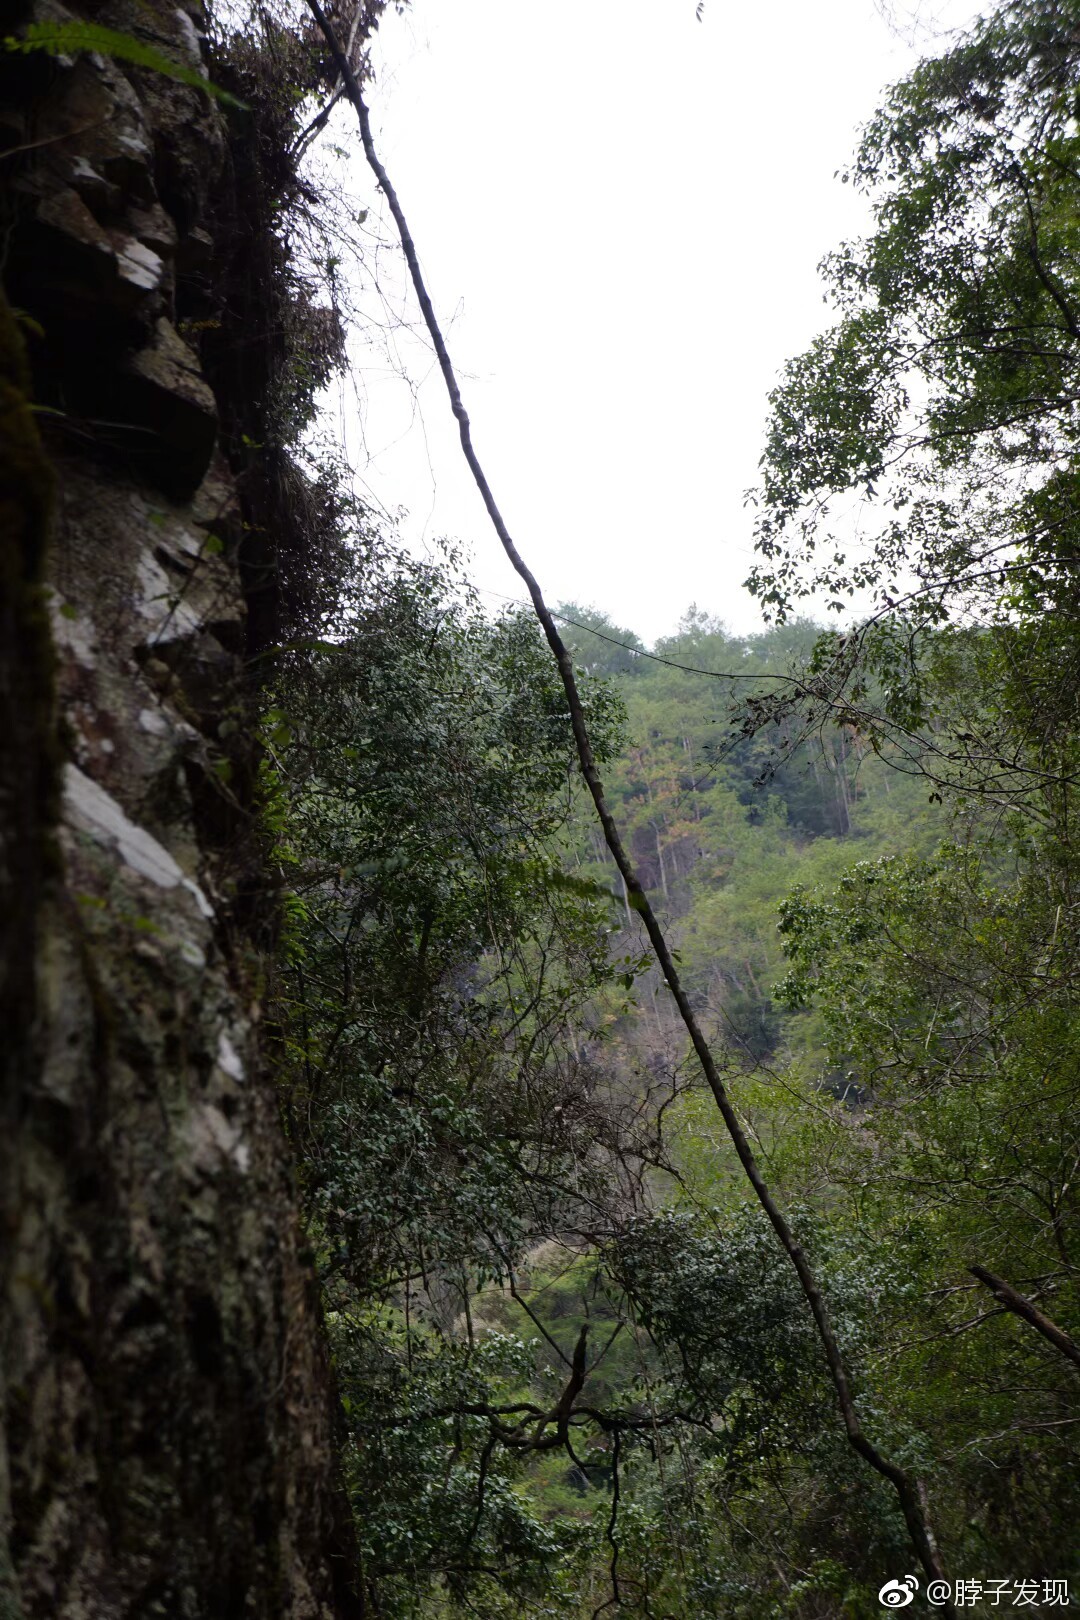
<point x="167" y="1434"/>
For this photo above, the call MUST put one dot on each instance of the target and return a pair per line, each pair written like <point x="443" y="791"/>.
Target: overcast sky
<point x="620" y="211"/>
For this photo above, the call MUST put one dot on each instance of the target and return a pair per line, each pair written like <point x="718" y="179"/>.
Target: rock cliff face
<point x="167" y="1443"/>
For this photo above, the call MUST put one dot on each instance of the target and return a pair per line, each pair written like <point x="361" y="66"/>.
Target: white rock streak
<point x="229" y="1058"/>
<point x="161" y="604"/>
<point x="138" y="264"/>
<point x="90" y="809"/>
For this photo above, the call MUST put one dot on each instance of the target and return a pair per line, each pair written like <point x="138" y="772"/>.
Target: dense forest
<point x="586" y="1346"/>
<point x="876" y="961"/>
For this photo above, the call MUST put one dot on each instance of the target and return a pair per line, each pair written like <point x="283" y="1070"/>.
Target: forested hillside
<point x="498" y="1134"/>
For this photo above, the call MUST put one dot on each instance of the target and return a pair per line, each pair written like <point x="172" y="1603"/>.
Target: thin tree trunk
<point x="693" y="779"/>
<point x="626" y="899"/>
<point x="906" y="1488"/>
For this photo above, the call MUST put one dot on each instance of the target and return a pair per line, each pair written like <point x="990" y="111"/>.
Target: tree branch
<point x="1021" y="1306"/>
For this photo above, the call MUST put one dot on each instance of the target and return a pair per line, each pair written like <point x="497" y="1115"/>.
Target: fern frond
<point x="59" y="38"/>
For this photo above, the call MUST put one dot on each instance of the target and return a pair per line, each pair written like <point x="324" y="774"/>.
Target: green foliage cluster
<point x="425" y="762"/>
<point x="433" y="957"/>
<point x="942" y="401"/>
<point x="724" y="813"/>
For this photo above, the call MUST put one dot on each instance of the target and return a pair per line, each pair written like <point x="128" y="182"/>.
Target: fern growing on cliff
<point x="63" y="38"/>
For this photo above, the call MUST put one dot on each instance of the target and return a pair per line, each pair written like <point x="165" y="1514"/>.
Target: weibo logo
<point x="898" y="1594"/>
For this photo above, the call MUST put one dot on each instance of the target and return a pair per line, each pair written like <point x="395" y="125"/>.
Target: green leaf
<point x="59" y="38"/>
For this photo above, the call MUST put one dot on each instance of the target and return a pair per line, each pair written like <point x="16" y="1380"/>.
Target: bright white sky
<point x="620" y="211"/>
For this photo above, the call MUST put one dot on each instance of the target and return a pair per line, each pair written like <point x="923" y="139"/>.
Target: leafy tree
<point x="942" y="403"/>
<point x="941" y="407"/>
<point x="949" y="999"/>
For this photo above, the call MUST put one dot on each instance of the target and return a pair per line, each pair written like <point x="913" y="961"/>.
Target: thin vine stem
<point x="906" y="1487"/>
